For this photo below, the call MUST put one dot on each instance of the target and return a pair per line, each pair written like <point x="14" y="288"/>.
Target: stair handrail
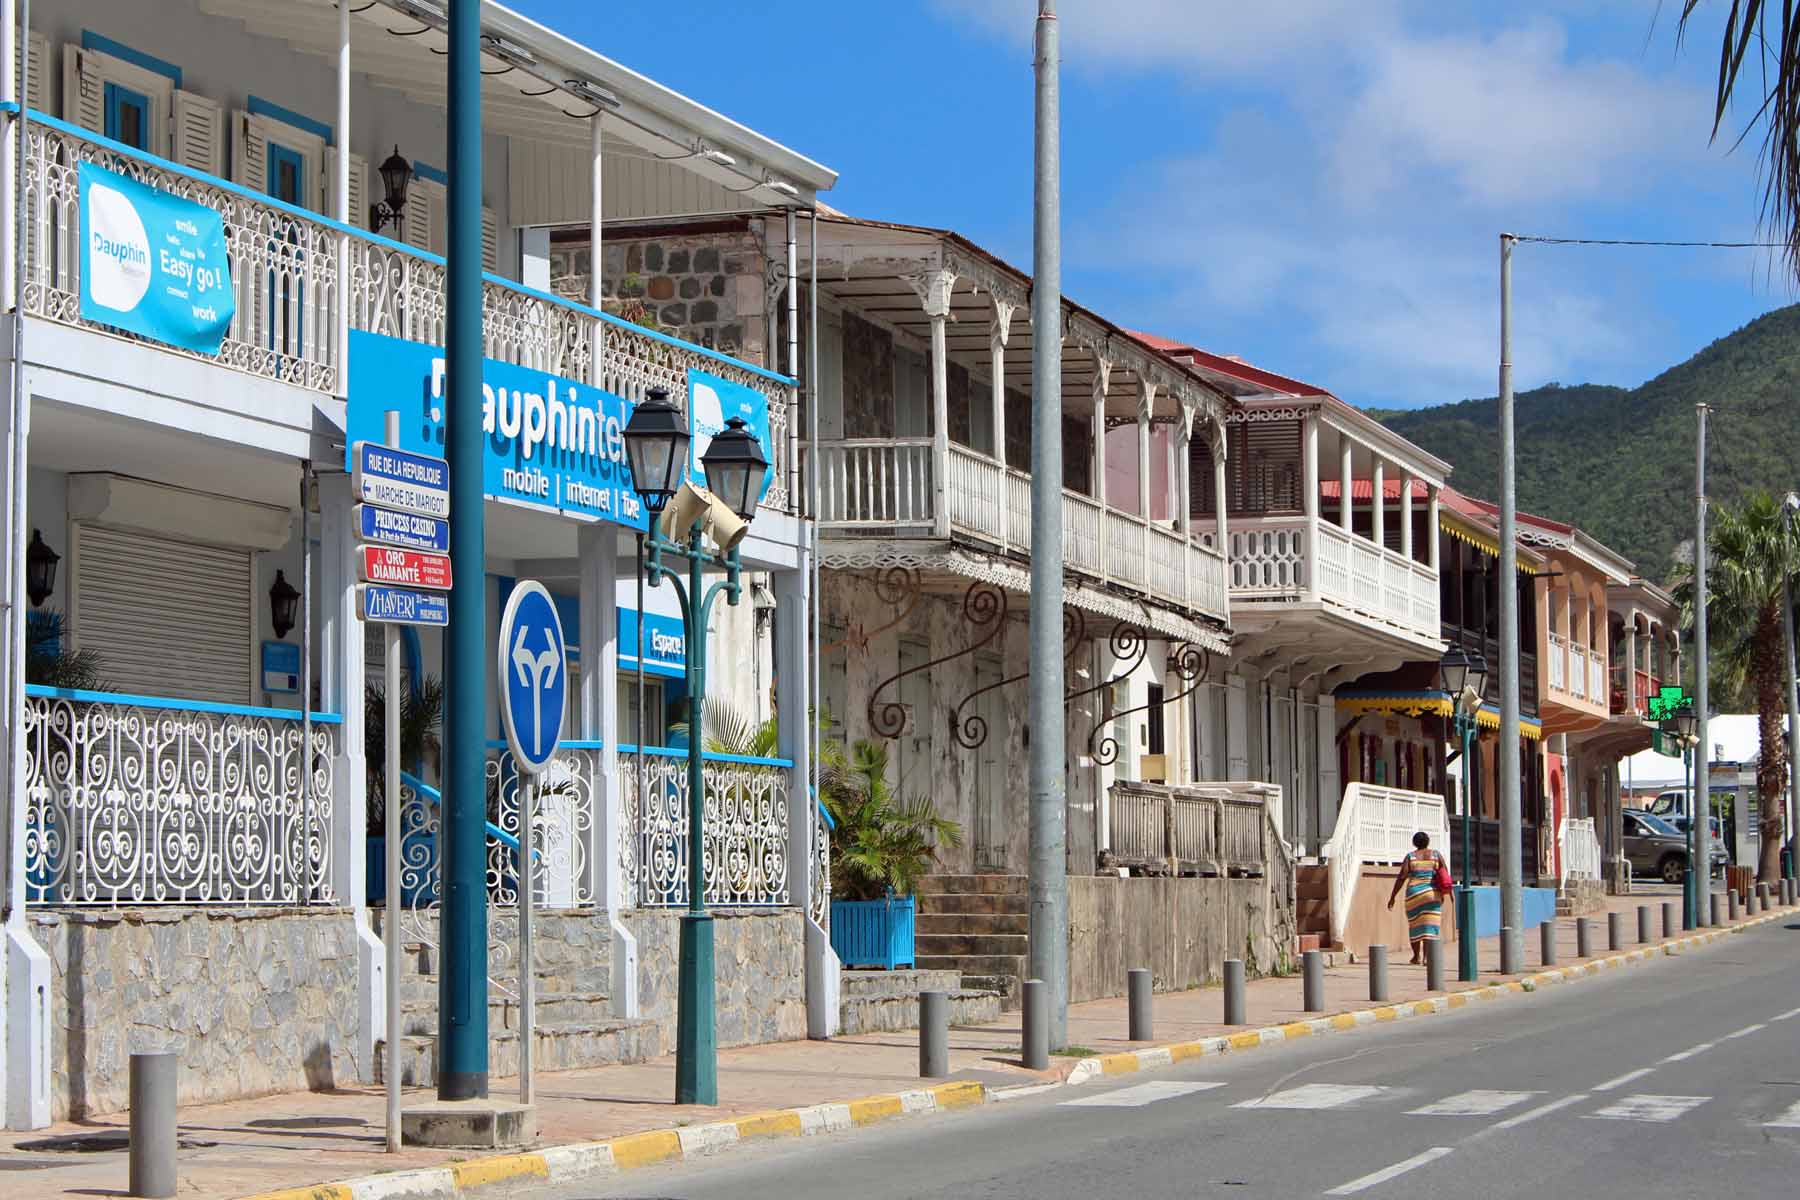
<point x="1369" y="836"/>
<point x="435" y="798"/>
<point x="1343" y="853"/>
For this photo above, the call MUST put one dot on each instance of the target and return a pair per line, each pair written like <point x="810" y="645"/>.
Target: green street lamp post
<point x="1677" y="725"/>
<point x="1465" y="679"/>
<point x="657" y="442"/>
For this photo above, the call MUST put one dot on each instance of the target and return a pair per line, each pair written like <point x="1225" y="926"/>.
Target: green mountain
<point x="1619" y="462"/>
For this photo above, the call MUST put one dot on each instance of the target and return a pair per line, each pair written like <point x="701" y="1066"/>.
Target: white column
<point x="597" y="244"/>
<point x="1182" y="502"/>
<point x="1432" y="538"/>
<point x="1631" y="660"/>
<point x="1310" y="501"/>
<point x="795" y="731"/>
<point x="1406" y="515"/>
<point x="1146" y="400"/>
<point x="340" y="195"/>
<point x="1237" y="727"/>
<point x="933" y="288"/>
<point x="1221" y="497"/>
<point x="9" y="91"/>
<point x="1331" y="787"/>
<point x="612" y="890"/>
<point x="1378" y="503"/>
<point x="1344" y="482"/>
<point x="1102" y="380"/>
<point x="998" y="332"/>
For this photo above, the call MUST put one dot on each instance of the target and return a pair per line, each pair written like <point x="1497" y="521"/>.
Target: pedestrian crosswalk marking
<point x="1140" y="1095"/>
<point x="1316" y="1096"/>
<point x="1649" y="1108"/>
<point x="1478" y="1103"/>
<point x="1787" y="1120"/>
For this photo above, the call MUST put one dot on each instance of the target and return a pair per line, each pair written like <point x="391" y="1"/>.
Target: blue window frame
<point x="286" y="174"/>
<point x="127" y="116"/>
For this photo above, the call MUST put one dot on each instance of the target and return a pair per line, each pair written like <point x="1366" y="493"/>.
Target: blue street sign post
<point x="534" y="691"/>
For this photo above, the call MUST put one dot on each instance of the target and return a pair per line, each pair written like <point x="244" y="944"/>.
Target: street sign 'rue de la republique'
<point x="402" y="524"/>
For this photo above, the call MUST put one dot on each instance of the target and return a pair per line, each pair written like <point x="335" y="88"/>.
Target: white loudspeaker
<point x="727" y="529"/>
<point x="687" y="505"/>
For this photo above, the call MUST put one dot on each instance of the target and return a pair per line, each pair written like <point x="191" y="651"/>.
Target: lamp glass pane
<point x="730" y="481"/>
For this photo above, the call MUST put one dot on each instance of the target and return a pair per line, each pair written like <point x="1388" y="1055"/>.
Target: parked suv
<point x="1655" y="847"/>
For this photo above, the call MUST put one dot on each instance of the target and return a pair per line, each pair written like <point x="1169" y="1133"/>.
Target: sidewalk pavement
<point x="293" y="1139"/>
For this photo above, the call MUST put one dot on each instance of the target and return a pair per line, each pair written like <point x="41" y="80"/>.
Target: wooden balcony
<point x="1270" y="562"/>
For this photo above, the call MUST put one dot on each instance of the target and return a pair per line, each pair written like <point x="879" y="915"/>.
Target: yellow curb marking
<point x="1454" y="1000"/>
<point x="1296" y="1029"/>
<point x="1119" y="1064"/>
<point x="959" y="1095"/>
<point x="1243" y="1041"/>
<point x="769" y="1124"/>
<point x="1344" y="1021"/>
<point x="501" y="1167"/>
<point x="642" y="1149"/>
<point x="874" y="1108"/>
<point x="1423" y="1007"/>
<point x="1181" y="1051"/>
<point x="1386" y="1012"/>
<point x="323" y="1191"/>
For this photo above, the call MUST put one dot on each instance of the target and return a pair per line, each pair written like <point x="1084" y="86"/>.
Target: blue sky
<point x="1317" y="187"/>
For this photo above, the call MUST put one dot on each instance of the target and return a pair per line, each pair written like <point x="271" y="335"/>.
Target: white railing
<point x="284" y="264"/>
<point x="746" y="829"/>
<point x="1558" y="662"/>
<point x="1200" y="828"/>
<point x="1580" y="849"/>
<point x="1269" y="561"/>
<point x="1375" y="825"/>
<point x="136" y="800"/>
<point x="1268" y="558"/>
<point x="886" y="485"/>
<point x="1577" y="672"/>
<point x="1597" y="689"/>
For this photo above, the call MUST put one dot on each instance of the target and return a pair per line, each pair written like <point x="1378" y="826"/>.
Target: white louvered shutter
<point x="168" y="618"/>
<point x="84" y="92"/>
<point x="490" y="240"/>
<point x="198" y="138"/>
<point x="37" y="82"/>
<point x="249" y="152"/>
<point x="425" y="215"/>
<point x="359" y="186"/>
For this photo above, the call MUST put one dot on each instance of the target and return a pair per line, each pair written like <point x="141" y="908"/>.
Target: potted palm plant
<point x="421" y="715"/>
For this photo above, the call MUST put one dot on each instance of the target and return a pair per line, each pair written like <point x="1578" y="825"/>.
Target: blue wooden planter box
<point x="873" y="933"/>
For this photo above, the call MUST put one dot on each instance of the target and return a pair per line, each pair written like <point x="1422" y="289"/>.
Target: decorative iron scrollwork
<point x="971" y="732"/>
<point x="984" y="607"/>
<point x="1190" y="662"/>
<point x="893" y="585"/>
<point x="1129" y="644"/>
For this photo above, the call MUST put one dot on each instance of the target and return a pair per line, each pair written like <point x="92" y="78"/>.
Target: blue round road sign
<point x="534" y="673"/>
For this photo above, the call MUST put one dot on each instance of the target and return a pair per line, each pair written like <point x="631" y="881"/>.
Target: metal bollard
<point x="1615" y="931"/>
<point x="1584" y="938"/>
<point x="1140" y="1015"/>
<point x="1034" y="1025"/>
<point x="1378" y="989"/>
<point x="1234" y="991"/>
<point x="1731" y="904"/>
<point x="1313" y="982"/>
<point x="1718" y="910"/>
<point x="1643" y="924"/>
<point x="1547" y="943"/>
<point x="1509" y="950"/>
<point x="1668" y="918"/>
<point x="152" y="1153"/>
<point x="1434" y="965"/>
<point x="934" y="1035"/>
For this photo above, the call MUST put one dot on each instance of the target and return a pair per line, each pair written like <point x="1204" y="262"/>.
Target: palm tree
<point x="1748" y="555"/>
<point x="1775" y="70"/>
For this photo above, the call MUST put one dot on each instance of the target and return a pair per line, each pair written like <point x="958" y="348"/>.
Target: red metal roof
<point x="1227" y="365"/>
<point x="1363" y="490"/>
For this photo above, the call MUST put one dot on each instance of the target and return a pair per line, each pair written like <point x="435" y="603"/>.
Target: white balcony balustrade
<point x="1269" y="561"/>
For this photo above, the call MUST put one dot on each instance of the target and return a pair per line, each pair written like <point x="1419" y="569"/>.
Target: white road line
<point x="1746" y="1031"/>
<point x="1019" y="1093"/>
<point x="1648" y="1108"/>
<point x="1702" y="1048"/>
<point x="1473" y="1104"/>
<point x="1540" y="1111"/>
<point x="1792" y="1012"/>
<point x="1140" y="1095"/>
<point x="1787" y="1120"/>
<point x="1394" y="1172"/>
<point x="1624" y="1079"/>
<point x="1316" y="1096"/>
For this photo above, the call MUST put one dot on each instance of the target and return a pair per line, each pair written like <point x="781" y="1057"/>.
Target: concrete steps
<point x="885" y="1001"/>
<point x="556" y="1047"/>
<point x="976" y="925"/>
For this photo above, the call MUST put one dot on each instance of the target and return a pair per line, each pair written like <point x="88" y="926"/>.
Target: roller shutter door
<point x="169" y="618"/>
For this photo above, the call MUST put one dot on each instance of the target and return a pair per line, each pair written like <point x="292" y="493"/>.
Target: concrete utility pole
<point x="1049" y="812"/>
<point x="1512" y="907"/>
<point x="1700" y="811"/>
<point x="1790" y="508"/>
<point x="462" y="1071"/>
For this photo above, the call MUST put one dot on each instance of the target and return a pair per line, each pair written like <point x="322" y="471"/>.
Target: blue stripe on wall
<point x="137" y="58"/>
<point x="268" y="108"/>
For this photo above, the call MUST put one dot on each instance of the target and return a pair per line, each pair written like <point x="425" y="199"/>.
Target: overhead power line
<point x="1573" y="241"/>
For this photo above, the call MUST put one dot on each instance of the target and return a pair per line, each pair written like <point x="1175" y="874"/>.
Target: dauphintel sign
<point x="548" y="442"/>
<point x="151" y="263"/>
<point x="713" y="402"/>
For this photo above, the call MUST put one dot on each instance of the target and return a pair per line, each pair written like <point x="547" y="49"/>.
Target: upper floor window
<point x="127" y="116"/>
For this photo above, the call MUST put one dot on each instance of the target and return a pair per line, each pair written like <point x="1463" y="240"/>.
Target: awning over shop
<point x="1419" y="704"/>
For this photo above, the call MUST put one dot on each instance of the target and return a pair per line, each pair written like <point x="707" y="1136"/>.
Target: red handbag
<point x="1441" y="879"/>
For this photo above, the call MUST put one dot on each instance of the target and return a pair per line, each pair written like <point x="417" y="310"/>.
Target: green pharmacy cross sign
<point x="1668" y="703"/>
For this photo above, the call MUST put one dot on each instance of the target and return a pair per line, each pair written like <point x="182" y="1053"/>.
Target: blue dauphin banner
<point x="151" y="263"/>
<point x="711" y="402"/>
<point x="549" y="442"/>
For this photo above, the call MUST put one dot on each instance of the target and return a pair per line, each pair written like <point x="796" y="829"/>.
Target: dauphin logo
<point x="118" y="250"/>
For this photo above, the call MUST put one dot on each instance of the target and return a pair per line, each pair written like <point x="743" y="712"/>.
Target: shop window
<point x="127" y="116"/>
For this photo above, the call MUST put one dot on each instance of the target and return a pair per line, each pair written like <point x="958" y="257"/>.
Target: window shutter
<point x="84" y="93"/>
<point x="37" y="83"/>
<point x="490" y="240"/>
<point x="424" y="213"/>
<point x="249" y="152"/>
<point x="359" y="186"/>
<point x="169" y="618"/>
<point x="1200" y="474"/>
<point x="198" y="142"/>
<point x="1267" y="476"/>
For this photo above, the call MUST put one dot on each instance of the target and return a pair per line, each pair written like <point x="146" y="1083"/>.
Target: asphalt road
<point x="1676" y="1078"/>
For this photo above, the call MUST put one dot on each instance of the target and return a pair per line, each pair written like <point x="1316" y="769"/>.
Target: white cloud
<point x="1363" y="160"/>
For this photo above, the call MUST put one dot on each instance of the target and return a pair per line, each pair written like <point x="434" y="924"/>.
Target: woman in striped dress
<point x="1424" y="903"/>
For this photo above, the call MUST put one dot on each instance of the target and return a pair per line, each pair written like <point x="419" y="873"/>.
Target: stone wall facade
<point x="254" y="1001"/>
<point x="759" y="962"/>
<point x="1182" y="929"/>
